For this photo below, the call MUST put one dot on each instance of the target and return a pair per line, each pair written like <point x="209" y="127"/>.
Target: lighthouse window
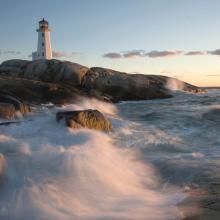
<point x="43" y="54"/>
<point x="43" y="44"/>
<point x="42" y="34"/>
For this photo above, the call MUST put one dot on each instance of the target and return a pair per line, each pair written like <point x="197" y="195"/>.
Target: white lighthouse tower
<point x="44" y="50"/>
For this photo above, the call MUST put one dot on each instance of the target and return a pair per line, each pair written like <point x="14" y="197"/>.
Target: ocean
<point x="160" y="162"/>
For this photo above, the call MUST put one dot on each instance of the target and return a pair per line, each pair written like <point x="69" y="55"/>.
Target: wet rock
<point x="2" y="166"/>
<point x="7" y="111"/>
<point x="11" y="104"/>
<point x="91" y="119"/>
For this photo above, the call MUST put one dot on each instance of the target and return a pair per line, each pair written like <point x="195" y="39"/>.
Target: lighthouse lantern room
<point x="44" y="50"/>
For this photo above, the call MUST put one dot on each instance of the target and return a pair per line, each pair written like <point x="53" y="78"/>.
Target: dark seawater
<point x="160" y="163"/>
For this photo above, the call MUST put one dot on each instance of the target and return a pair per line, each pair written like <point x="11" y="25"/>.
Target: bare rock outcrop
<point x="119" y="86"/>
<point x="92" y="119"/>
<point x="58" y="81"/>
<point x="36" y="92"/>
<point x="45" y="70"/>
<point x="122" y="86"/>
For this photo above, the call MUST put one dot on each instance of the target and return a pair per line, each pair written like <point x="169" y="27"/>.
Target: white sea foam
<point x="197" y="155"/>
<point x="174" y="84"/>
<point x="56" y="173"/>
<point x="92" y="103"/>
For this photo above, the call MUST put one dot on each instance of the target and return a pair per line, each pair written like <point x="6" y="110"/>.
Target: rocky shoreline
<point x="24" y="83"/>
<point x="60" y="82"/>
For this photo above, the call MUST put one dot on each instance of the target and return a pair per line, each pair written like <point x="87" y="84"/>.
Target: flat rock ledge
<point x="91" y="119"/>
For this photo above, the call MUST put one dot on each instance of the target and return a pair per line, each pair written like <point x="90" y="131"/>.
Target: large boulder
<point x="16" y="63"/>
<point x="119" y="86"/>
<point x="14" y="68"/>
<point x="36" y="92"/>
<point x="56" y="71"/>
<point x="91" y="119"/>
<point x="122" y="86"/>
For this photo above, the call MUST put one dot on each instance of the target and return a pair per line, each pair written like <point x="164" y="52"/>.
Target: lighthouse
<point x="44" y="50"/>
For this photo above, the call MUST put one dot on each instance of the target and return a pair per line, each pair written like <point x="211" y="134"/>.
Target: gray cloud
<point x="194" y="53"/>
<point x="10" y="52"/>
<point x="158" y="53"/>
<point x="112" y="55"/>
<point x="214" y="52"/>
<point x="59" y="54"/>
<point x="141" y="53"/>
<point x="134" y="53"/>
<point x="165" y="53"/>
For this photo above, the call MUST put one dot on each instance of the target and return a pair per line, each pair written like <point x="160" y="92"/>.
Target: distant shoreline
<point x="211" y="87"/>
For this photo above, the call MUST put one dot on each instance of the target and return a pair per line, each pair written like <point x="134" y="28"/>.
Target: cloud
<point x="112" y="55"/>
<point x="141" y="53"/>
<point x="59" y="54"/>
<point x="194" y="53"/>
<point x="214" y="52"/>
<point x="10" y="52"/>
<point x="134" y="53"/>
<point x="165" y="53"/>
<point x="214" y="75"/>
<point x="158" y="53"/>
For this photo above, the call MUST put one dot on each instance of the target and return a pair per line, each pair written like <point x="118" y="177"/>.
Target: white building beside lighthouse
<point x="44" y="50"/>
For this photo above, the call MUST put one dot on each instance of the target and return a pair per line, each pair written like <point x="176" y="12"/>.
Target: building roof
<point x="43" y="21"/>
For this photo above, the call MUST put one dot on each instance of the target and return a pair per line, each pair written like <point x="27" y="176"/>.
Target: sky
<point x="178" y="38"/>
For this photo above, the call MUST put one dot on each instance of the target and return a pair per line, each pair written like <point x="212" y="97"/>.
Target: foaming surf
<point x="180" y="137"/>
<point x="52" y="172"/>
<point x="174" y="84"/>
